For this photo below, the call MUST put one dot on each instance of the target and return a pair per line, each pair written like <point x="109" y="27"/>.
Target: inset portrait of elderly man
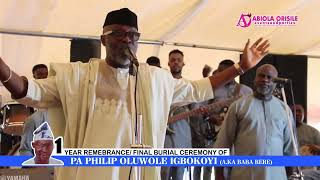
<point x="42" y="146"/>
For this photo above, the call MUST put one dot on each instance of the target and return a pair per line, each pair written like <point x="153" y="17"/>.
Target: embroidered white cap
<point x="43" y="132"/>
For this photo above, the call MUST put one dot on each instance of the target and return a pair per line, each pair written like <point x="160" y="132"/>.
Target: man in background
<point x="201" y="132"/>
<point x="178" y="134"/>
<point x="40" y="71"/>
<point x="230" y="91"/>
<point x="231" y="88"/>
<point x="257" y="125"/>
<point x="154" y="61"/>
<point x="306" y="133"/>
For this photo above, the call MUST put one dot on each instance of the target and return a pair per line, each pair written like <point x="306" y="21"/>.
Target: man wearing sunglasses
<point x="97" y="103"/>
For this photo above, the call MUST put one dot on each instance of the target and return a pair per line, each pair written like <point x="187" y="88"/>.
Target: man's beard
<point x="119" y="58"/>
<point x="263" y="91"/>
<point x="174" y="72"/>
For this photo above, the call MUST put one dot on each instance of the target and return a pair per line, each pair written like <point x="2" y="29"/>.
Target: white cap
<point x="43" y="132"/>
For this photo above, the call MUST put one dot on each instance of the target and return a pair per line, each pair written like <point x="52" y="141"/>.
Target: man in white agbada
<point x="42" y="146"/>
<point x="95" y="98"/>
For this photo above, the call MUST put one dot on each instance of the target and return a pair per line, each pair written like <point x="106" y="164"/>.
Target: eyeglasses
<point x="134" y="36"/>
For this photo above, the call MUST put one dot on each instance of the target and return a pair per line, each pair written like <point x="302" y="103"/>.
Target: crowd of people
<point x="94" y="105"/>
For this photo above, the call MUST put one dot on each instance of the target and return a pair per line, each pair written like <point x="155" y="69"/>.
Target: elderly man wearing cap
<point x="42" y="145"/>
<point x="96" y="101"/>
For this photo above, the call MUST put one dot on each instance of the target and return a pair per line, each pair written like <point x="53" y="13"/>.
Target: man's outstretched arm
<point x="16" y="85"/>
<point x="251" y="57"/>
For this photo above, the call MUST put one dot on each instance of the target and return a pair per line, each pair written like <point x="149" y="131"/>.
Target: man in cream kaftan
<point x="97" y="118"/>
<point x="89" y="104"/>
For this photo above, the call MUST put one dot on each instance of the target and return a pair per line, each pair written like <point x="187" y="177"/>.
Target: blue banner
<point x="173" y="160"/>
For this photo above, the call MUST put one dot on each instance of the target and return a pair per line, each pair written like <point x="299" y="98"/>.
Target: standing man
<point x="230" y="90"/>
<point x="40" y="71"/>
<point x="257" y="125"/>
<point x="180" y="135"/>
<point x="96" y="102"/>
<point x="206" y="128"/>
<point x="306" y="134"/>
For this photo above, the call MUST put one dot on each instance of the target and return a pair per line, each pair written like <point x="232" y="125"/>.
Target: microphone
<point x="281" y="80"/>
<point x="131" y="56"/>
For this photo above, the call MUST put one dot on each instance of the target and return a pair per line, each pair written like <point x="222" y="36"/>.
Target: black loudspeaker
<point x="294" y="67"/>
<point x="84" y="49"/>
